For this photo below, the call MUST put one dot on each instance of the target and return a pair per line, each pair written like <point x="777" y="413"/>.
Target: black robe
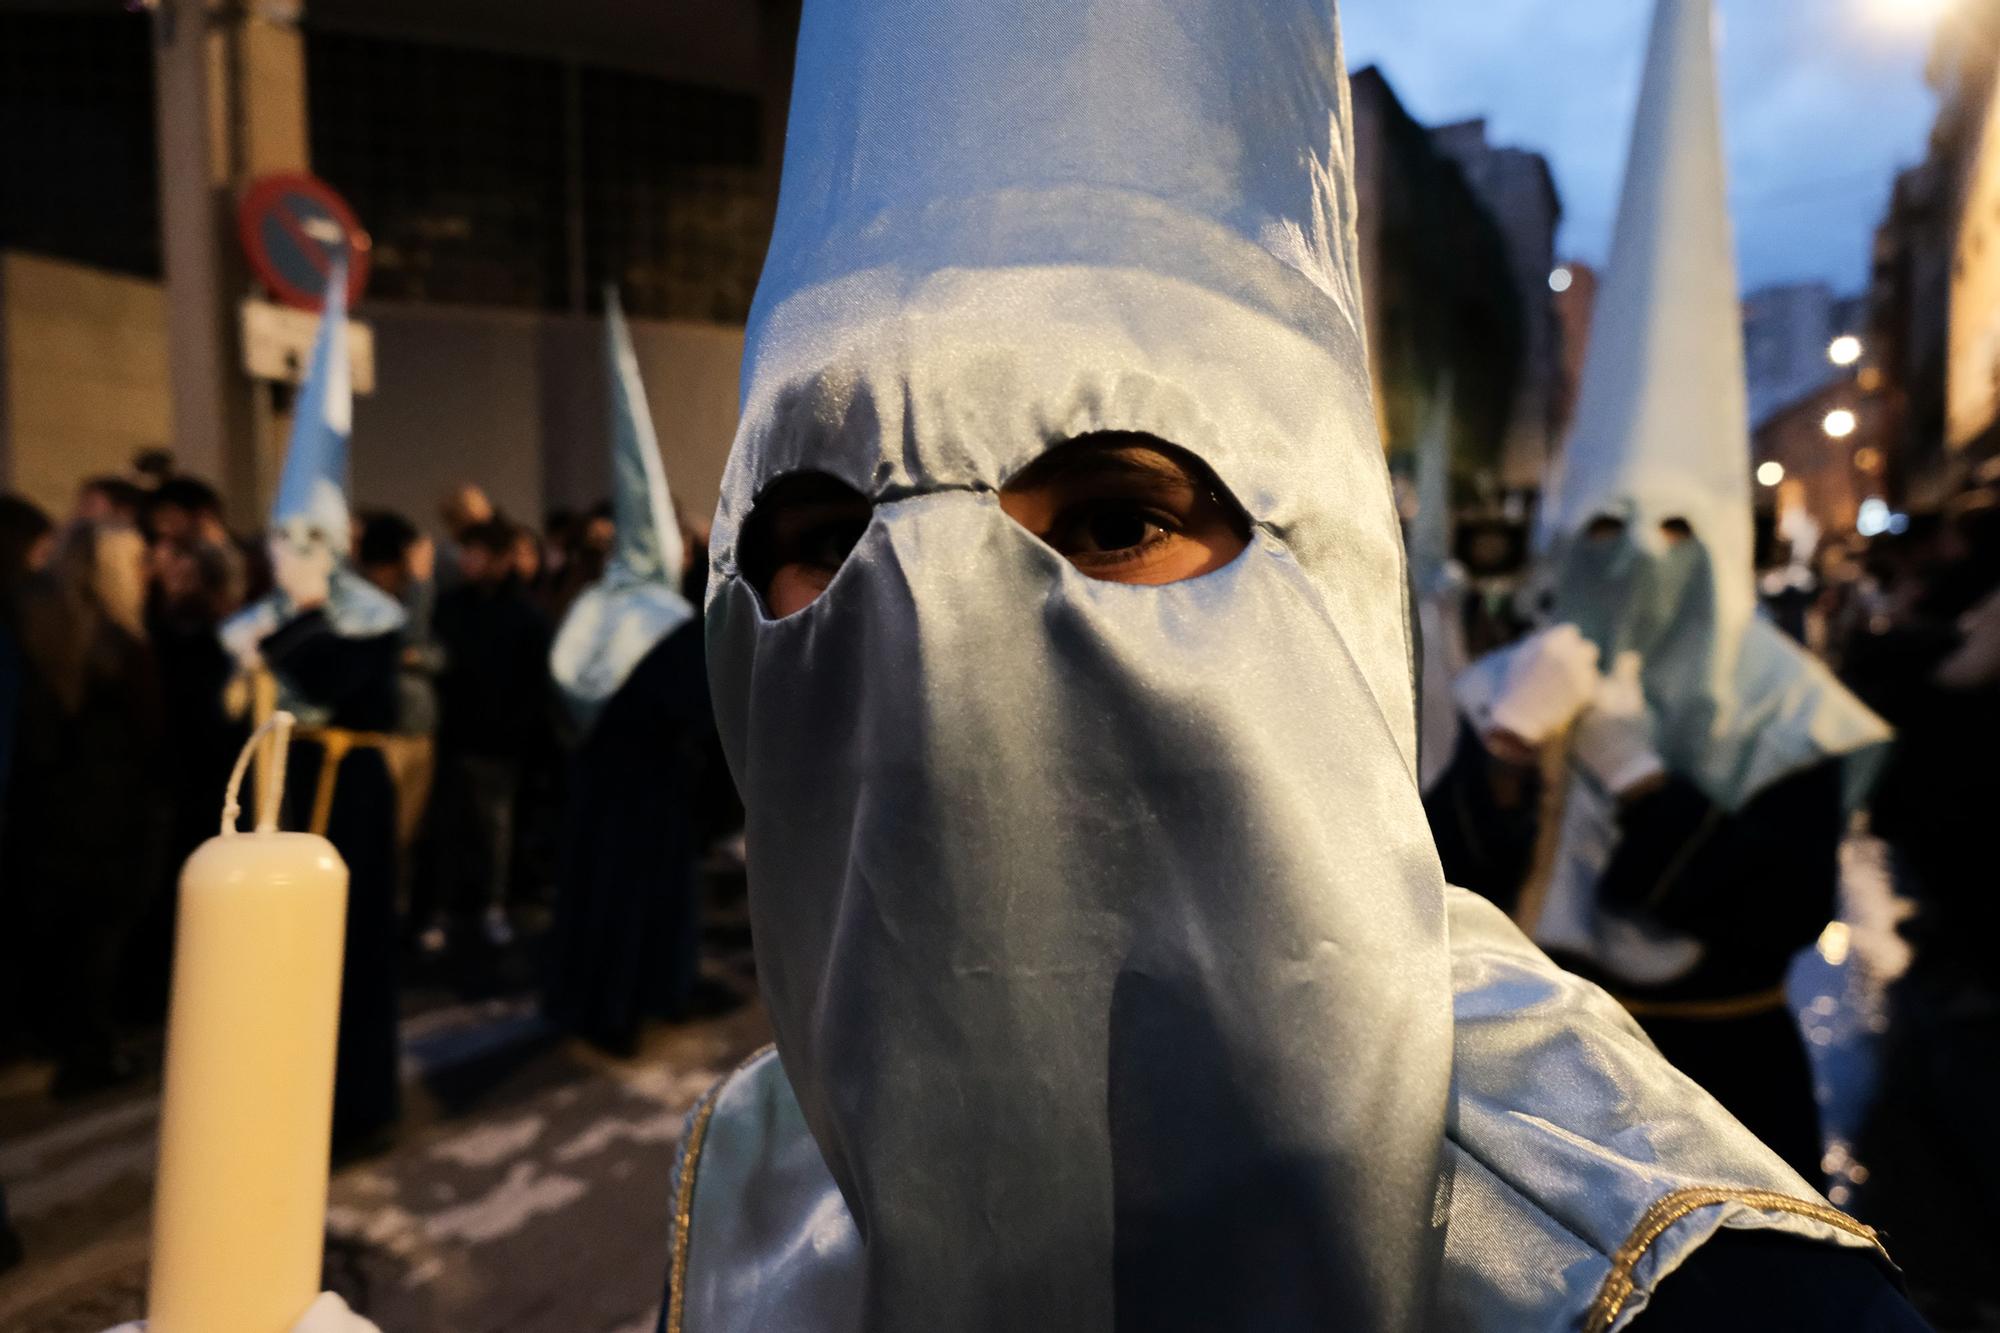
<point x="1754" y="1281"/>
<point x="1754" y="886"/>
<point x="356" y="680"/>
<point x="647" y="790"/>
<point x="1928" y="1144"/>
<point x="201" y="743"/>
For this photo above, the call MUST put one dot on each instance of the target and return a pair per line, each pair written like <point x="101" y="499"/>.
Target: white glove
<point x="303" y="573"/>
<point x="328" y="1314"/>
<point x="244" y="631"/>
<point x="1550" y="677"/>
<point x="1613" y="739"/>
<point x="1976" y="662"/>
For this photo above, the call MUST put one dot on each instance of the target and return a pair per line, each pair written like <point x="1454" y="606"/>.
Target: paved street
<point x="528" y="1191"/>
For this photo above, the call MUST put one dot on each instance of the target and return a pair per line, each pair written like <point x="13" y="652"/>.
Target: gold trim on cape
<point x="697" y="1135"/>
<point x="1618" y="1286"/>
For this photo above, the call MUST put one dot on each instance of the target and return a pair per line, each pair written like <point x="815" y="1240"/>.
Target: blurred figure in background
<point x="110" y="500"/>
<point x="1930" y="661"/>
<point x="87" y="816"/>
<point x="629" y="668"/>
<point x="465" y="508"/>
<point x="1693" y="768"/>
<point x="527" y="556"/>
<point x="196" y="585"/>
<point x="332" y="641"/>
<point x="27" y="538"/>
<point x="402" y="562"/>
<point x="492" y="724"/>
<point x="586" y="551"/>
<point x="694" y="567"/>
<point x="185" y="510"/>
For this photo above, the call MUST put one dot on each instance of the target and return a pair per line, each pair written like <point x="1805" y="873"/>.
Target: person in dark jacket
<point x="195" y="587"/>
<point x="87" y="811"/>
<point x="493" y="725"/>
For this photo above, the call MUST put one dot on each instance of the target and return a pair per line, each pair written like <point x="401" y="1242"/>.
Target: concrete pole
<point x="231" y="96"/>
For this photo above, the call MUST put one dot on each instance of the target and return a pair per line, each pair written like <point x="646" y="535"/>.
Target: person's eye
<point x="1102" y="533"/>
<point x="1127" y="509"/>
<point x="824" y="544"/>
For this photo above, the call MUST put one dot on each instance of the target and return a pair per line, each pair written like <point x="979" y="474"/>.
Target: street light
<point x="1844" y="350"/>
<point x="1561" y="279"/>
<point x="1771" y="473"/>
<point x="1913" y="12"/>
<point x="1840" y="423"/>
<point x="1874" y="518"/>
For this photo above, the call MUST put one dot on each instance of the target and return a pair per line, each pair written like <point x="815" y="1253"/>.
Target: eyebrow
<point x="1139" y="456"/>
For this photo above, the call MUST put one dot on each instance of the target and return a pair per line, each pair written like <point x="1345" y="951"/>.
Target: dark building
<point x="508" y="160"/>
<point x="1933" y="317"/>
<point x="1519" y="190"/>
<point x="1439" y="287"/>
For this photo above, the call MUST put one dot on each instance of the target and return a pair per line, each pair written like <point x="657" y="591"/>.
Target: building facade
<point x="1519" y="191"/>
<point x="509" y="161"/>
<point x="1934" y="293"/>
<point x="1787" y="330"/>
<point x="1438" y="285"/>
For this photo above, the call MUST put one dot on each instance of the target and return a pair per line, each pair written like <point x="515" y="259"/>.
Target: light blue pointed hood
<point x="615" y="622"/>
<point x="311" y="504"/>
<point x="310" y="510"/>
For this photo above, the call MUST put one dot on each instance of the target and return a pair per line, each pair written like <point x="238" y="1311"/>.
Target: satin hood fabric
<point x="1783" y="711"/>
<point x="613" y="624"/>
<point x="1100" y="925"/>
<point x="1568" y="1140"/>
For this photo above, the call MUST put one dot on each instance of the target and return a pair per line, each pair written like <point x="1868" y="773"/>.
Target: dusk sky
<point x="1823" y="101"/>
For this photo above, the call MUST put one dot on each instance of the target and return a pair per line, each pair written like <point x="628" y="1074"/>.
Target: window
<point x="504" y="180"/>
<point x="78" y="164"/>
<point x="453" y="160"/>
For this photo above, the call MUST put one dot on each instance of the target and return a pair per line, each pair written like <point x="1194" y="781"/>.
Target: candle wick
<point x="279" y="727"/>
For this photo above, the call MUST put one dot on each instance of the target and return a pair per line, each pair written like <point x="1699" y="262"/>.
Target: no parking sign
<point x="294" y="228"/>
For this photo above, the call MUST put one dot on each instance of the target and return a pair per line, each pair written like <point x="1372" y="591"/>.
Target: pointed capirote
<point x="616" y="622"/>
<point x="649" y="544"/>
<point x="1662" y="431"/>
<point x="1662" y="423"/>
<point x="310" y="510"/>
<point x="312" y="489"/>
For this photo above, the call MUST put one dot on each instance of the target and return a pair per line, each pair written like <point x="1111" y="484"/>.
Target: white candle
<point x="247" y="1116"/>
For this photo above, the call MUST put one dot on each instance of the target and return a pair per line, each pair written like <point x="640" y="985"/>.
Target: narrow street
<point x="527" y="1191"/>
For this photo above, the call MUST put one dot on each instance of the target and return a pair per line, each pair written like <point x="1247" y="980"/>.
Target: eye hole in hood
<point x="1121" y="507"/>
<point x="1128" y="508"/>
